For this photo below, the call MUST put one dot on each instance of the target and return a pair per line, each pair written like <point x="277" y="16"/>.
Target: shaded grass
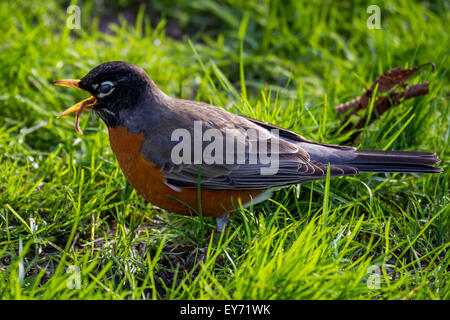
<point x="66" y="209"/>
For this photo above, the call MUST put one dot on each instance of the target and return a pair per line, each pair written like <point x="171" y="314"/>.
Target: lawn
<point x="71" y="227"/>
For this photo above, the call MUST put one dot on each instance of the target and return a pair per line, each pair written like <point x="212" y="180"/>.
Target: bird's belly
<point x="149" y="181"/>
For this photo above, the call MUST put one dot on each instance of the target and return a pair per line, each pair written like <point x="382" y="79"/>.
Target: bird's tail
<point x="372" y="160"/>
<point x="394" y="161"/>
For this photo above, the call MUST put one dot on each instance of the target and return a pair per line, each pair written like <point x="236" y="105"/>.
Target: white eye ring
<point x="107" y="86"/>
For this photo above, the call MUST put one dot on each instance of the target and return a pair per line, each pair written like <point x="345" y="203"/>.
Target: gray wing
<point x="289" y="162"/>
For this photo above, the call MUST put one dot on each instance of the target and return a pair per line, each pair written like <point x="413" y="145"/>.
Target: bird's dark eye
<point x="106" y="87"/>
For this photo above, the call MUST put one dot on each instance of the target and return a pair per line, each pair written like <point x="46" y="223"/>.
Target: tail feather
<point x="395" y="161"/>
<point x="372" y="160"/>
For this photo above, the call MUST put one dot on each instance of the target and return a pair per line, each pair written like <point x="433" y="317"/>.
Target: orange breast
<point x="149" y="181"/>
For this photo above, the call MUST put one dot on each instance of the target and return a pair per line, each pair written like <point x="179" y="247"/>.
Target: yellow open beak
<point x="88" y="103"/>
<point x="71" y="83"/>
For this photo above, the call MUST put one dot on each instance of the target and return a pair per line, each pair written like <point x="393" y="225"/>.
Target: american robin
<point x="146" y="126"/>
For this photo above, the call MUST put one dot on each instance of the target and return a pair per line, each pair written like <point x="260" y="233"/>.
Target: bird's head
<point x="114" y="86"/>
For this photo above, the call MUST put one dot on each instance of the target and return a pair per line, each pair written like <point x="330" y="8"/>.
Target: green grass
<point x="71" y="227"/>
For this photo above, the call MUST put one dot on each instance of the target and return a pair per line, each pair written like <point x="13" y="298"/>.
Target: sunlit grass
<point x="67" y="210"/>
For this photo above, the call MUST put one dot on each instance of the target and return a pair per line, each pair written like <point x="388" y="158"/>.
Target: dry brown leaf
<point x="388" y="82"/>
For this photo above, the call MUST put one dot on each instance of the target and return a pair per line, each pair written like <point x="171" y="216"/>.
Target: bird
<point x="146" y="127"/>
